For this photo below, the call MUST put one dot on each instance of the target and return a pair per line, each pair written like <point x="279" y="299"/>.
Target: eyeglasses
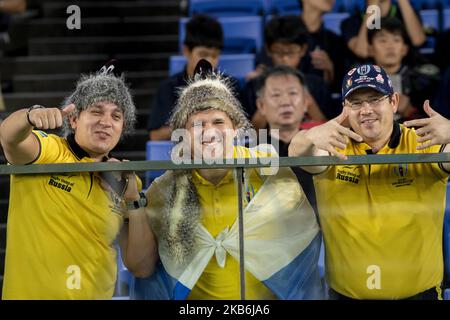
<point x="373" y="102"/>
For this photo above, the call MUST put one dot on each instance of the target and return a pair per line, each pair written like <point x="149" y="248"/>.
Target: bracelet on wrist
<point x="36" y="106"/>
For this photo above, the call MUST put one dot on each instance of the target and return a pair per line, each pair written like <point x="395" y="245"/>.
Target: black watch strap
<point x="36" y="106"/>
<point x="136" y="204"/>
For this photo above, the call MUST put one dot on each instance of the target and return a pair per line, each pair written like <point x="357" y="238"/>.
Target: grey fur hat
<point x="212" y="92"/>
<point x="102" y="87"/>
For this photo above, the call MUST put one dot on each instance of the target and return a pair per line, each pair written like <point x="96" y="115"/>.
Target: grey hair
<point x="278" y="71"/>
<point x="95" y="88"/>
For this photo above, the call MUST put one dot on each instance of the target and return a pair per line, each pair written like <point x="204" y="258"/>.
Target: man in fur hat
<point x="61" y="227"/>
<point x="193" y="214"/>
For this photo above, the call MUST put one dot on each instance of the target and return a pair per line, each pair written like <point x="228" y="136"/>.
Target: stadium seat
<point x="157" y="150"/>
<point x="338" y="6"/>
<point x="445" y="19"/>
<point x="236" y="65"/>
<point x="227" y="8"/>
<point x="430" y="21"/>
<point x="428" y="4"/>
<point x="241" y="34"/>
<point x="283" y="7"/>
<point x="351" y="6"/>
<point x="333" y="20"/>
<point x="176" y="64"/>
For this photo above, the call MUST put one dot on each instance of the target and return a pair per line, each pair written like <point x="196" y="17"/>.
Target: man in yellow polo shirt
<point x="193" y="213"/>
<point x="61" y="227"/>
<point x="382" y="224"/>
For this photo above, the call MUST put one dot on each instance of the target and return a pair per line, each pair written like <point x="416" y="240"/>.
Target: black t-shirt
<point x="165" y="100"/>
<point x="419" y="83"/>
<point x="442" y="101"/>
<point x="334" y="45"/>
<point x="442" y="50"/>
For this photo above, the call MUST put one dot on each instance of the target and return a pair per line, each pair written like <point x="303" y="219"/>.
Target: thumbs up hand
<point x="48" y="118"/>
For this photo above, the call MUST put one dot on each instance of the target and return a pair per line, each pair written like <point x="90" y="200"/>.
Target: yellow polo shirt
<point x="382" y="224"/>
<point x="60" y="231"/>
<point x="219" y="210"/>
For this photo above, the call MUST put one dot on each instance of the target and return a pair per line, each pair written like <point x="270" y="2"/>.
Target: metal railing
<point x="238" y="164"/>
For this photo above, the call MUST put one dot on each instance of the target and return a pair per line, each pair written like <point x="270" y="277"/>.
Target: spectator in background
<point x="286" y="44"/>
<point x="388" y="48"/>
<point x="282" y="102"/>
<point x="326" y="50"/>
<point x="204" y="40"/>
<point x="354" y="29"/>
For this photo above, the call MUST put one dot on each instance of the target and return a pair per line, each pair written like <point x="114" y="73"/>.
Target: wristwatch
<point x="136" y="204"/>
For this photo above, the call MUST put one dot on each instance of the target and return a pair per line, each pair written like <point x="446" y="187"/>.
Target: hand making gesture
<point x="434" y="130"/>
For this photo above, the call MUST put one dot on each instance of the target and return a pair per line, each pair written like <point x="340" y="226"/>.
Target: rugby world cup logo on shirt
<point x="401" y="172"/>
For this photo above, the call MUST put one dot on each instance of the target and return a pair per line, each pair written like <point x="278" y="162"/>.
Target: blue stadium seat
<point x="428" y="4"/>
<point x="445" y="19"/>
<point x="283" y="7"/>
<point x="351" y="6"/>
<point x="333" y="20"/>
<point x="157" y="150"/>
<point x="430" y="21"/>
<point x="241" y="34"/>
<point x="236" y="65"/>
<point x="227" y="8"/>
<point x="338" y="6"/>
<point x="176" y="64"/>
